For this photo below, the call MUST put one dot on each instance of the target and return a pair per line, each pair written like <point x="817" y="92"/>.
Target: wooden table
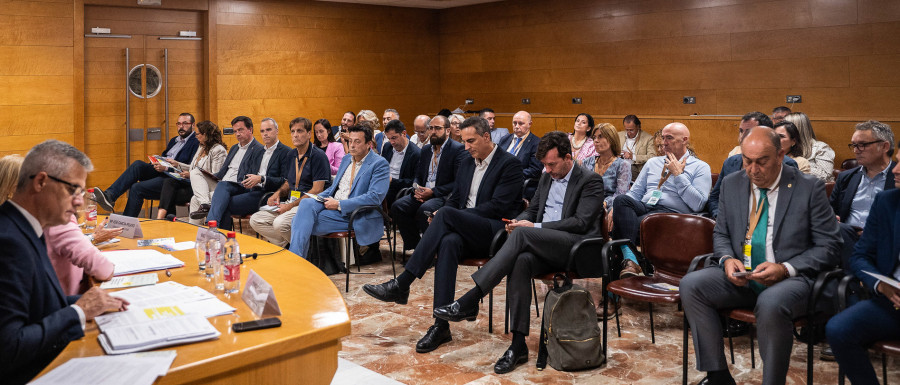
<point x="303" y="350"/>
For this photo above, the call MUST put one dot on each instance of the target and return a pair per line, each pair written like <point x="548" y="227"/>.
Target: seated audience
<point x="362" y="180"/>
<point x="309" y="173"/>
<point x="497" y="134"/>
<point x="488" y="188"/>
<point x="369" y="117"/>
<point x="566" y="207"/>
<point x="389" y="115"/>
<point x="778" y="114"/>
<point x="333" y="149"/>
<point x="748" y="121"/>
<point x="401" y="157"/>
<point x="144" y="180"/>
<point x="582" y="145"/>
<point x="340" y="132"/>
<point x="616" y="171"/>
<point x="793" y="236"/>
<point x="522" y="144"/>
<point x="455" y="121"/>
<point x="435" y="173"/>
<point x="195" y="187"/>
<point x="9" y="175"/>
<point x="658" y="143"/>
<point x="855" y="189"/>
<point x="818" y="153"/>
<point x="420" y="127"/>
<point x="791" y="140"/>
<point x="637" y="145"/>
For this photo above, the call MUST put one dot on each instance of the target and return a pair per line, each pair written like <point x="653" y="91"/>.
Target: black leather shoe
<point x="509" y="361"/>
<point x="388" y="292"/>
<point x="434" y="337"/>
<point x="454" y="313"/>
<point x="201" y="212"/>
<point x="706" y="381"/>
<point x="102" y="200"/>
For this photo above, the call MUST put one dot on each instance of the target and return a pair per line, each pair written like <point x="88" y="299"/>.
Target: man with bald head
<point x="523" y="144"/>
<point x="420" y="126"/>
<point x="677" y="182"/>
<point x="774" y="223"/>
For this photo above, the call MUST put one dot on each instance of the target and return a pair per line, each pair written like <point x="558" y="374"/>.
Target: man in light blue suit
<point x="362" y="180"/>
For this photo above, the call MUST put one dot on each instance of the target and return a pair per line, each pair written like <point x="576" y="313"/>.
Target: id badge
<point x="748" y="263"/>
<point x="654" y="198"/>
<point x="296" y="195"/>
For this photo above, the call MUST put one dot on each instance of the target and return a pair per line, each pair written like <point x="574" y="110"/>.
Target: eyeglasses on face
<point x="861" y="145"/>
<point x="73" y="189"/>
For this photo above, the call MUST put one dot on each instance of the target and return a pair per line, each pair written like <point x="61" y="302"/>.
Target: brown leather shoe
<point x="612" y="308"/>
<point x="630" y="269"/>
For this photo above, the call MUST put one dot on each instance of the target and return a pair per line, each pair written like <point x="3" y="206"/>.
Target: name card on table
<point x="131" y="228"/>
<point x="260" y="296"/>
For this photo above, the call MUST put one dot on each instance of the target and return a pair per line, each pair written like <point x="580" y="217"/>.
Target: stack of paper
<point x="157" y="333"/>
<point x="137" y="261"/>
<point x="134" y="369"/>
<point x="165" y="300"/>
<point x="130" y="281"/>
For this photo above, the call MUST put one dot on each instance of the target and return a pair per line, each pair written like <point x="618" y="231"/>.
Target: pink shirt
<point x="335" y="152"/>
<point x="72" y="255"/>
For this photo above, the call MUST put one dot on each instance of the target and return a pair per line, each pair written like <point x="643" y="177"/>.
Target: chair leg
<point x="652" y="331"/>
<point x="537" y="313"/>
<point x="752" y="350"/>
<point x="605" y="331"/>
<point x="393" y="250"/>
<point x="730" y="340"/>
<point x="506" y="316"/>
<point x="348" y="249"/>
<point x="684" y="351"/>
<point x="884" y="368"/>
<point x="809" y="352"/>
<point x="491" y="312"/>
<point x="618" y="327"/>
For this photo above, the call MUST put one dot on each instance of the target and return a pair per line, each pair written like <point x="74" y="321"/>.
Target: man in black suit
<point x="243" y="159"/>
<point x="435" y="174"/>
<point x="402" y="156"/>
<point x="567" y="206"/>
<point x="273" y="163"/>
<point x="523" y="144"/>
<point x="37" y="320"/>
<point x="488" y="188"/>
<point x="145" y="180"/>
<point x="855" y="189"/>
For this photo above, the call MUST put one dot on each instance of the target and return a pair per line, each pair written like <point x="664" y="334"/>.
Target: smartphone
<point x="264" y="323"/>
<point x="506" y="220"/>
<point x="416" y="186"/>
<point x="741" y="273"/>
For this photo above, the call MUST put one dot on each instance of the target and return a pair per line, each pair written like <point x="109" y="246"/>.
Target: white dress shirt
<point x="772" y="197"/>
<point x="233" y="167"/>
<point x="346" y="183"/>
<point x="477" y="176"/>
<point x="397" y="161"/>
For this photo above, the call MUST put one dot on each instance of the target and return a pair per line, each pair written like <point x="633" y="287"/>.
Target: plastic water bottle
<point x="215" y="247"/>
<point x="200" y="249"/>
<point x="232" y="268"/>
<point x="90" y="211"/>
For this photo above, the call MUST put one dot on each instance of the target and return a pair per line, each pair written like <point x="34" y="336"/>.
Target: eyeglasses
<point x="862" y="145"/>
<point x="73" y="189"/>
<point x="454" y="123"/>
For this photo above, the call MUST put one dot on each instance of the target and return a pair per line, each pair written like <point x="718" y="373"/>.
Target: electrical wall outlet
<point x="794" y="99"/>
<point x="470" y="101"/>
<point x="689" y="100"/>
<point x="576" y="100"/>
<point x="526" y="101"/>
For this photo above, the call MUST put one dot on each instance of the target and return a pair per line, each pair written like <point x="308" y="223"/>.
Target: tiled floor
<point x="384" y="336"/>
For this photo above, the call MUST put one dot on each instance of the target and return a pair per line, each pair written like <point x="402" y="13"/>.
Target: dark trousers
<point x="231" y="198"/>
<point x="852" y="331"/>
<point x="850" y="237"/>
<point x="174" y="192"/>
<point x="456" y="235"/>
<point x="526" y="253"/>
<point x="142" y="181"/>
<point x="627" y="215"/>
<point x="409" y="215"/>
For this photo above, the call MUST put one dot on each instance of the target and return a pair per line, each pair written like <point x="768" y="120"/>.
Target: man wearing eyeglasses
<point x="420" y="126"/>
<point x="145" y="180"/>
<point x="523" y="144"/>
<point x="855" y="189"/>
<point x="37" y="320"/>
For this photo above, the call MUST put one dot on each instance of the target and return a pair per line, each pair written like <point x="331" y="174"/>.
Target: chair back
<point x="848" y="164"/>
<point x="715" y="177"/>
<point x="670" y="241"/>
<point x="829" y="187"/>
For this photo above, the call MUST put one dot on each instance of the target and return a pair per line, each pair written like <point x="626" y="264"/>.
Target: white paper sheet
<point x="130" y="281"/>
<point x="136" y="261"/>
<point x="133" y="369"/>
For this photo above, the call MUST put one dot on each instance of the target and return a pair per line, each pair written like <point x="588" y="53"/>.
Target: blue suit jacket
<point x="451" y="154"/>
<point x="407" y="167"/>
<point x="732" y="164"/>
<point x="280" y="166"/>
<point x="370" y="186"/>
<point x="878" y="247"/>
<point x="845" y="189"/>
<point x="250" y="163"/>
<point x="500" y="193"/>
<point x="36" y="322"/>
<point x="531" y="167"/>
<point x="186" y="154"/>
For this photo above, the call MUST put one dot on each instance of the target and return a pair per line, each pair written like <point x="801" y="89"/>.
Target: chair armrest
<point x="849" y="284"/>
<point x="581" y="261"/>
<point x="819" y="287"/>
<point x="403" y="192"/>
<point x="702" y="262"/>
<point x="497" y="242"/>
<point x="265" y="199"/>
<point x="362" y="209"/>
<point x="610" y="251"/>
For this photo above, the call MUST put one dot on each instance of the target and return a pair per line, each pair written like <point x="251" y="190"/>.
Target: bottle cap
<point x="213" y="224"/>
<point x="230" y="234"/>
<point x="90" y="190"/>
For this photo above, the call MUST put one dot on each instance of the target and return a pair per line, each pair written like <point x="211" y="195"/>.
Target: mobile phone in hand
<point x="741" y="273"/>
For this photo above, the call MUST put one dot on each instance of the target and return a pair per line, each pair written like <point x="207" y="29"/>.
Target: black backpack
<point x="570" y="337"/>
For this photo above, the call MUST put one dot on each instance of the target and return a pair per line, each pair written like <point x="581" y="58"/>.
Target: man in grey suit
<point x="567" y="206"/>
<point x="776" y="224"/>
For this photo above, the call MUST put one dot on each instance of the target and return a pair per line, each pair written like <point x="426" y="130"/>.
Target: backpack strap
<point x="541" y="362"/>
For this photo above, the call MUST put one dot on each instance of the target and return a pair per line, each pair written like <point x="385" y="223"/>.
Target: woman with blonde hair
<point x="369" y="118"/>
<point x="9" y="175"/>
<point x="455" y="121"/>
<point x="818" y="153"/>
<point x="616" y="171"/>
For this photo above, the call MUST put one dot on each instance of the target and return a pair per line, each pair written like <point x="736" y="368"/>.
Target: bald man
<point x="420" y="126"/>
<point x="677" y="182"/>
<point x="523" y="144"/>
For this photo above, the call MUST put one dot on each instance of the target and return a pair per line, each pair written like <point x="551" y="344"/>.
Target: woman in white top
<point x="582" y="144"/>
<point x="455" y="121"/>
<point x="791" y="140"/>
<point x="819" y="154"/>
<point x="195" y="187"/>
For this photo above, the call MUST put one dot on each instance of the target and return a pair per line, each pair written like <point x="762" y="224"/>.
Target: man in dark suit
<point x="243" y="159"/>
<point x="567" y="206"/>
<point x="855" y="189"/>
<point x="488" y="188"/>
<point x="273" y="163"/>
<point x="435" y="174"/>
<point x="37" y="320"/>
<point x="523" y="144"/>
<point x="145" y="180"/>
<point x="852" y="331"/>
<point x="784" y="241"/>
<point x="402" y="156"/>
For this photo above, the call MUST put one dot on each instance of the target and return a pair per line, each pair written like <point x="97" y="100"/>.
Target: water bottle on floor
<point x="232" y="268"/>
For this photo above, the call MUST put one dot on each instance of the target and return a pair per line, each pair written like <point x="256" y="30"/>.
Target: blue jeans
<point x="143" y="182"/>
<point x="229" y="199"/>
<point x="313" y="219"/>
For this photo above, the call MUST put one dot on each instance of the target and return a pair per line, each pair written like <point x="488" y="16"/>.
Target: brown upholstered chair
<point x="349" y="235"/>
<point x="829" y="187"/>
<point x="848" y="164"/>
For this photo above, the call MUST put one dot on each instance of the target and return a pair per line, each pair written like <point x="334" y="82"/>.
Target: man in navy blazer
<point x="523" y="144"/>
<point x="435" y="174"/>
<point x="272" y="163"/>
<point x="488" y="188"/>
<point x="37" y="320"/>
<point x="145" y="180"/>
<point x="852" y="331"/>
<point x="362" y="180"/>
<point x="855" y="189"/>
<point x="402" y="157"/>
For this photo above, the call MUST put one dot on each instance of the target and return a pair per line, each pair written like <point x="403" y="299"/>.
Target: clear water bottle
<point x="232" y="268"/>
<point x="215" y="247"/>
<point x="90" y="211"/>
<point x="200" y="249"/>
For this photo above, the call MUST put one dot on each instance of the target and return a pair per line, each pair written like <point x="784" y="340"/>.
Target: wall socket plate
<point x="526" y="101"/>
<point x="576" y="100"/>
<point x="689" y="100"/>
<point x="794" y="99"/>
<point x="470" y="101"/>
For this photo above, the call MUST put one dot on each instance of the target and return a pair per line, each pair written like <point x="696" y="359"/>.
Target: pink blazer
<point x="72" y="255"/>
<point x="335" y="152"/>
